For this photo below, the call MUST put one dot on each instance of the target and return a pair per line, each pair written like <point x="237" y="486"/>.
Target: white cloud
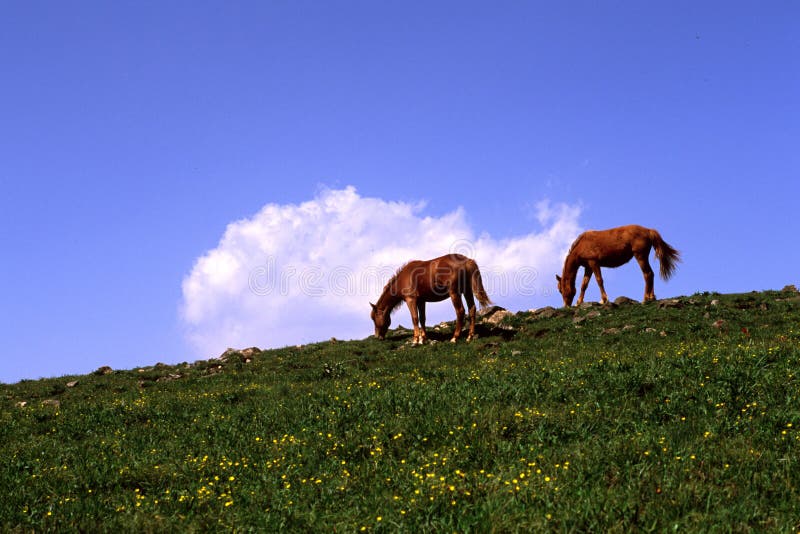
<point x="301" y="273"/>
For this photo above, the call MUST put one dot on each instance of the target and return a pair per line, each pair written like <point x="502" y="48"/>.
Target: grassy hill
<point x="681" y="414"/>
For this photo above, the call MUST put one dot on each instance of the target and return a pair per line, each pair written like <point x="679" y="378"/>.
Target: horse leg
<point x="599" y="277"/>
<point x="459" y="306"/>
<point x="647" y="272"/>
<point x="587" y="275"/>
<point x="472" y="312"/>
<point x="421" y="308"/>
<point x="412" y="307"/>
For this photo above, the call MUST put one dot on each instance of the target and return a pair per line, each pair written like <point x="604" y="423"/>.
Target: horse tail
<point x="477" y="284"/>
<point x="667" y="256"/>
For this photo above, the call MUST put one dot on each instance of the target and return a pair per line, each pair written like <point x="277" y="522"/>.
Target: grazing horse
<point x="612" y="248"/>
<point x="419" y="282"/>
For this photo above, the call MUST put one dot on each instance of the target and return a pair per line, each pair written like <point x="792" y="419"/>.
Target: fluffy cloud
<point x="301" y="273"/>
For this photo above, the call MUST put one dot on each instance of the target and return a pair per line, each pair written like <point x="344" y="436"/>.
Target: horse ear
<point x="374" y="307"/>
<point x="558" y="278"/>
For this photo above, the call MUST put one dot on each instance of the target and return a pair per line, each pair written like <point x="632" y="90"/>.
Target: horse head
<point x="381" y="319"/>
<point x="566" y="286"/>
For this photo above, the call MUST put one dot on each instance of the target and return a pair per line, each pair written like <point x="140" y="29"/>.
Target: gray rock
<point x="545" y="313"/>
<point x="170" y="377"/>
<point x="622" y="301"/>
<point x="495" y="315"/>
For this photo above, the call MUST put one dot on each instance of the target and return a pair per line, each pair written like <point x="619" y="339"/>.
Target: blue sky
<point x="135" y="133"/>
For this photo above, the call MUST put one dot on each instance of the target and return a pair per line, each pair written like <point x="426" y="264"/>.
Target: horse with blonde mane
<point x="612" y="248"/>
<point x="419" y="282"/>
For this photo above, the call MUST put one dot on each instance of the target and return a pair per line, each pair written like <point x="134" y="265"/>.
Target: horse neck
<point x="571" y="265"/>
<point x="390" y="298"/>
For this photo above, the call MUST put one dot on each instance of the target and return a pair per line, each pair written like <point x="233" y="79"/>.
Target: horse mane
<point x="388" y="291"/>
<point x="575" y="243"/>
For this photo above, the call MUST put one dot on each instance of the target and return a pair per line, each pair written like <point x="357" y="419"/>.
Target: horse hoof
<point x="452" y="340"/>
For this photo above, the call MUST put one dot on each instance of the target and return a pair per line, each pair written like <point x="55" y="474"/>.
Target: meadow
<point x="674" y="415"/>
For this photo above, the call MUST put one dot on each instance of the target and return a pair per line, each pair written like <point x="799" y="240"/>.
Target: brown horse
<point x="612" y="248"/>
<point x="419" y="282"/>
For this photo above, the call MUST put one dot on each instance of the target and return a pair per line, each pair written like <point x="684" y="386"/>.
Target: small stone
<point x="546" y="313"/>
<point x="622" y="301"/>
<point x="715" y="302"/>
<point x="227" y="354"/>
<point x="168" y="378"/>
<point x="495" y="315"/>
<point x="671" y="303"/>
<point x="719" y="323"/>
<point x="72" y="384"/>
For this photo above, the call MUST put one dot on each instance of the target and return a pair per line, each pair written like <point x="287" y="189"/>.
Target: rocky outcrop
<point x="495" y="315"/>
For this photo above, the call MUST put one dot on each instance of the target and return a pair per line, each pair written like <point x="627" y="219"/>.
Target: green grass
<point x="666" y="423"/>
